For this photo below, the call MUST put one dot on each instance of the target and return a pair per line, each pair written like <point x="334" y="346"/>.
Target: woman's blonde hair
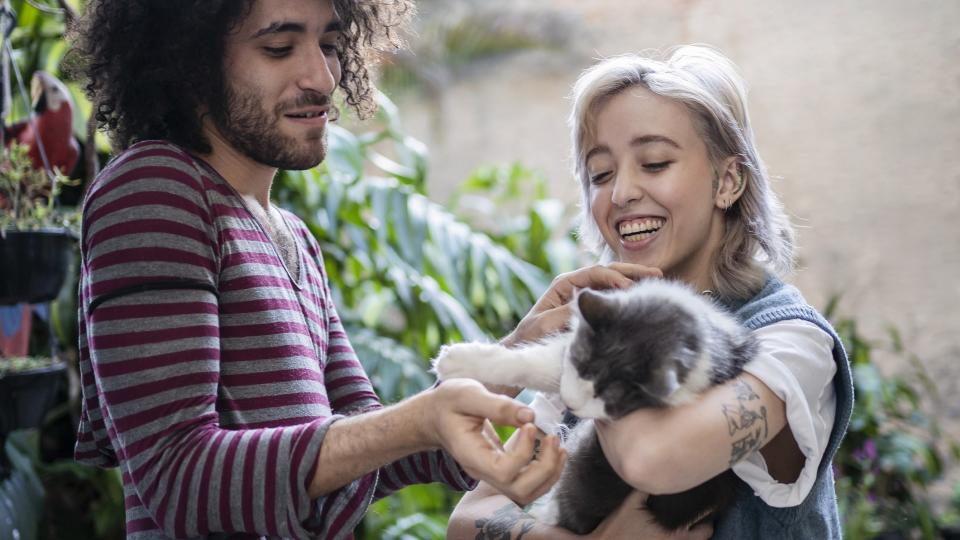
<point x="758" y="237"/>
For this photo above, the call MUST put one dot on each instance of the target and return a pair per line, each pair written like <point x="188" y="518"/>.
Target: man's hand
<point x="633" y="520"/>
<point x="551" y="313"/>
<point x="455" y="414"/>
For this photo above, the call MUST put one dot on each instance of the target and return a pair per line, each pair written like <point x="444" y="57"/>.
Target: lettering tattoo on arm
<point x="747" y="426"/>
<point x="499" y="525"/>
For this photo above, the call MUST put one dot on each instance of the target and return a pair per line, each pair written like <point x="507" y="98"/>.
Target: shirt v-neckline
<point x="297" y="280"/>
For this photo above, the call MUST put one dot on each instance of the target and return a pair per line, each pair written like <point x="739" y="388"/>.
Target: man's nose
<point x="318" y="74"/>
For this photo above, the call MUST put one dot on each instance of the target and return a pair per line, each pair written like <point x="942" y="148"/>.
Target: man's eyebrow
<point x="280" y="27"/>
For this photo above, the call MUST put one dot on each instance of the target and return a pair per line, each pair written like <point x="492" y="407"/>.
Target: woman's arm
<point x="672" y="450"/>
<point x="485" y="514"/>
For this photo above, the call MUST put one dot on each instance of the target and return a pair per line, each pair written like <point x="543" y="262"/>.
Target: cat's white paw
<point x="462" y="360"/>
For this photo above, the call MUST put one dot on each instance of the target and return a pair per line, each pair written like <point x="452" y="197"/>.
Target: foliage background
<point x="409" y="275"/>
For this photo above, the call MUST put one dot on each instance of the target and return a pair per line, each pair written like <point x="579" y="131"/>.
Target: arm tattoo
<point x="747" y="427"/>
<point x="499" y="525"/>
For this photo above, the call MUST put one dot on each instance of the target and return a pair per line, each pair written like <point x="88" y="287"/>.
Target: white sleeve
<point x="795" y="360"/>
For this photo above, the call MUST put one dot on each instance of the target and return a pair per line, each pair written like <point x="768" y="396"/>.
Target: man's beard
<point x="255" y="133"/>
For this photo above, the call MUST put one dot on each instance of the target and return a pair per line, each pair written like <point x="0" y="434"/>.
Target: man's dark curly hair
<point x="150" y="65"/>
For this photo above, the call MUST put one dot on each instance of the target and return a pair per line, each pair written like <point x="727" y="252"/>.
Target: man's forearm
<point x="360" y="444"/>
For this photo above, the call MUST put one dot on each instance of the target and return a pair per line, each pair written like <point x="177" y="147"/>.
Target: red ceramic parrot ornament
<point x="53" y="124"/>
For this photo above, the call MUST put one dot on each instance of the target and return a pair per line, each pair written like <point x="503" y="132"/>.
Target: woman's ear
<point x="731" y="183"/>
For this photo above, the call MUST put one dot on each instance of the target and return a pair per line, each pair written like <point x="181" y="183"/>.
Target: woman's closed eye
<point x="657" y="166"/>
<point x="600" y="177"/>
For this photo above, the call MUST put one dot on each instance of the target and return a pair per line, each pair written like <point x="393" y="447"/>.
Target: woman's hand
<point x="551" y="313"/>
<point x="632" y="520"/>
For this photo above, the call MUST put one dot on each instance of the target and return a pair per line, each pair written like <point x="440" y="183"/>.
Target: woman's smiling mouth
<point x="636" y="230"/>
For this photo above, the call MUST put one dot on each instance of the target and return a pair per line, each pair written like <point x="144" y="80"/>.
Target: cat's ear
<point x="595" y="308"/>
<point x="663" y="382"/>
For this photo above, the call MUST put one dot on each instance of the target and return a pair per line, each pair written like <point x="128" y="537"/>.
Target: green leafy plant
<point x="511" y="204"/>
<point x="402" y="267"/>
<point x="16" y="364"/>
<point x="28" y="195"/>
<point x="407" y="276"/>
<point x="894" y="449"/>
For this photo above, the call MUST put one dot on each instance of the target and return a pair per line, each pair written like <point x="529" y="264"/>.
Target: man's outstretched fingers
<point x="501" y="467"/>
<point x="561" y="459"/>
<point x="515" y="457"/>
<point x="538" y="476"/>
<point x="491" y="435"/>
<point x="498" y="409"/>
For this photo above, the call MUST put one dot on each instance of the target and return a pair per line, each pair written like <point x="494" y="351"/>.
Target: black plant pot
<point x="27" y="396"/>
<point x="950" y="533"/>
<point x="33" y="264"/>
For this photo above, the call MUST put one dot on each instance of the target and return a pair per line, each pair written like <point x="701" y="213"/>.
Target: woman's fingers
<point x="612" y="276"/>
<point x="635" y="272"/>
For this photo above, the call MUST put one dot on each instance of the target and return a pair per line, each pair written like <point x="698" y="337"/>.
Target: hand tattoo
<point x="748" y="427"/>
<point x="498" y="526"/>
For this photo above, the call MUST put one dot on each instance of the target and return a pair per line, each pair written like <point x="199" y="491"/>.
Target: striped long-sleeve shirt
<point x="210" y="374"/>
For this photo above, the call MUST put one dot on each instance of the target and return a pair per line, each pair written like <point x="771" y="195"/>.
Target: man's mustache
<point x="307" y="99"/>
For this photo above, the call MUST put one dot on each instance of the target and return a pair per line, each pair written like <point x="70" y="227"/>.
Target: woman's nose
<point x="626" y="189"/>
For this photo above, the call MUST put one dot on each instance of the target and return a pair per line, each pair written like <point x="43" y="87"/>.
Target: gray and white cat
<point x="656" y="344"/>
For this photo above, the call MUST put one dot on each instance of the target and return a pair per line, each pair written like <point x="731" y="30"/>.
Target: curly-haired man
<point x="215" y="370"/>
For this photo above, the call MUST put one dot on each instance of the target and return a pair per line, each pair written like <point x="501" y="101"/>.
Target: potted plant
<point x="36" y="244"/>
<point x="36" y="239"/>
<point x="28" y="389"/>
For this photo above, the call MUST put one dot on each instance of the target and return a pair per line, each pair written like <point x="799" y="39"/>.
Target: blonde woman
<point x="672" y="184"/>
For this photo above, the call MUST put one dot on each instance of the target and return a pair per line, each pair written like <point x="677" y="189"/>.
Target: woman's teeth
<point x="639" y="229"/>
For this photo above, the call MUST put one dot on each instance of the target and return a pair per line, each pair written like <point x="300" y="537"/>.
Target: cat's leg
<point x="536" y="366"/>
<point x="545" y="509"/>
<point x="589" y="489"/>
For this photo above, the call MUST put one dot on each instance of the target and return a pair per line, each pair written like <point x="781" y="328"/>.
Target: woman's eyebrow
<point x="600" y="149"/>
<point x="650" y="139"/>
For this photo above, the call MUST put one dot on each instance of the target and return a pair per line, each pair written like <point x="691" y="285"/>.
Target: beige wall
<point x="856" y="106"/>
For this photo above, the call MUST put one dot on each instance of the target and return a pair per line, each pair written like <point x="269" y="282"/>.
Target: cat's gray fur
<point x="657" y="344"/>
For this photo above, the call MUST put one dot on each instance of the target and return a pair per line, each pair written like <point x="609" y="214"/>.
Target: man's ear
<point x="731" y="183"/>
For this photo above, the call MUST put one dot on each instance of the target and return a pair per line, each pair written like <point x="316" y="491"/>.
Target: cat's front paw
<point x="462" y="360"/>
